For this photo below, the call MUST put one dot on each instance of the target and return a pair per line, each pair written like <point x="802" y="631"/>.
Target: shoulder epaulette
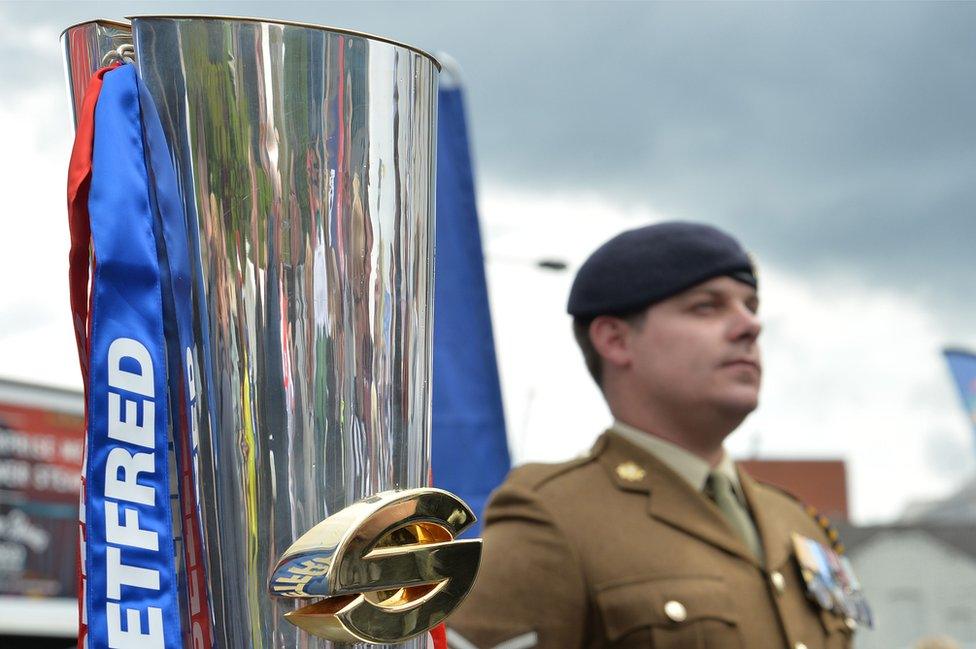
<point x="535" y="476"/>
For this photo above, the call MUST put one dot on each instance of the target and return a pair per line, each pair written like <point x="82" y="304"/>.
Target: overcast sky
<point x="837" y="140"/>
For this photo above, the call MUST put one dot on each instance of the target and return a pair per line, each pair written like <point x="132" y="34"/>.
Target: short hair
<point x="581" y="332"/>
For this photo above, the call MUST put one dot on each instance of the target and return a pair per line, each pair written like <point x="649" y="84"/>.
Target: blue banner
<point x="962" y="365"/>
<point x="131" y="589"/>
<point x="469" y="448"/>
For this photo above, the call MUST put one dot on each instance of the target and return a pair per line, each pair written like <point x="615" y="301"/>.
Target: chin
<point x="741" y="403"/>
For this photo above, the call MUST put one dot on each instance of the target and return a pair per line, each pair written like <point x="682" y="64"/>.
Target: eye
<point x="704" y="307"/>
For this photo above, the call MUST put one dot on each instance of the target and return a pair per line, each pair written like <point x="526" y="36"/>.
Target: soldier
<point x="655" y="538"/>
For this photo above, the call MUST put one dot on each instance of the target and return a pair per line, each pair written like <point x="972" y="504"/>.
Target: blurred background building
<point x="41" y="445"/>
<point x="920" y="579"/>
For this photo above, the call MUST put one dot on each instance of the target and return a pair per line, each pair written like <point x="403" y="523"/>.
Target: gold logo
<point x="630" y="472"/>
<point x="388" y="567"/>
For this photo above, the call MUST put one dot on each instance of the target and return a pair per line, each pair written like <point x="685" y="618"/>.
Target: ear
<point x="611" y="339"/>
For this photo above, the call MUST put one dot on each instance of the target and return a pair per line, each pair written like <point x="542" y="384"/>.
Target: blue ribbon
<point x="171" y="238"/>
<point x="131" y="586"/>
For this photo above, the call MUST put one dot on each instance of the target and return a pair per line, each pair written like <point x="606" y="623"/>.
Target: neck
<point x="694" y="434"/>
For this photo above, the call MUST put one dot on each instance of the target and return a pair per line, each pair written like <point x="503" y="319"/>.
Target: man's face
<point x="699" y="348"/>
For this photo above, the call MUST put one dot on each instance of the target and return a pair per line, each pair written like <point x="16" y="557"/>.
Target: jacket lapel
<point x="773" y="524"/>
<point x="671" y="499"/>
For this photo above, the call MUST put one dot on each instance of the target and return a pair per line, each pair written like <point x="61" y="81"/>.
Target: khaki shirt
<point x="618" y="550"/>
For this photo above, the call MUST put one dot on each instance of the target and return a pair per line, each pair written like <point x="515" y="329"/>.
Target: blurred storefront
<point x="41" y="447"/>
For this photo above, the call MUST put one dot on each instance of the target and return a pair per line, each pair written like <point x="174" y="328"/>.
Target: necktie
<point x="718" y="487"/>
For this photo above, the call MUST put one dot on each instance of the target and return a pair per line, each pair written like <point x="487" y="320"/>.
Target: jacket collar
<point x="689" y="466"/>
<point x="672" y="499"/>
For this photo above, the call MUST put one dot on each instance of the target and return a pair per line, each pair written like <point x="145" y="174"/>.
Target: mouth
<point x="743" y="363"/>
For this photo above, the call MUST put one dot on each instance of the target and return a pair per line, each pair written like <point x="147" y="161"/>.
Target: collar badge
<point x="630" y="472"/>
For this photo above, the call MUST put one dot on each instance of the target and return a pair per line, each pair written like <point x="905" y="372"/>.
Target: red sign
<point x="40" y="467"/>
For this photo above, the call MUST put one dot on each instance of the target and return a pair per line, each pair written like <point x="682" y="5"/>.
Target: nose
<point x="746" y="325"/>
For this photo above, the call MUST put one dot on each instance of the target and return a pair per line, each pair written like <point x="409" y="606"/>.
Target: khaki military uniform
<point x="618" y="550"/>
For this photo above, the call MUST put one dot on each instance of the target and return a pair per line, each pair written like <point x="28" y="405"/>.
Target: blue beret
<point x="640" y="267"/>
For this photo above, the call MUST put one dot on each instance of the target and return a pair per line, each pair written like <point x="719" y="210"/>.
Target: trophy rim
<point x="253" y="19"/>
<point x="294" y="23"/>
<point x="111" y="22"/>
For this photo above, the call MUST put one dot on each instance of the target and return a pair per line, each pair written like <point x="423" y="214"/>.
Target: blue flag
<point x="469" y="448"/>
<point x="962" y="364"/>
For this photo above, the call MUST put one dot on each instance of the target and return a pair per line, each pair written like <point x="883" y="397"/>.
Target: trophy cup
<point x="305" y="162"/>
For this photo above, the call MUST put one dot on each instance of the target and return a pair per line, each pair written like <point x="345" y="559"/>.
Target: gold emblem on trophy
<point x="388" y="567"/>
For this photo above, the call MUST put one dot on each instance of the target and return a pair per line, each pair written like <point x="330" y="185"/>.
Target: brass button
<point x="799" y="645"/>
<point x="675" y="611"/>
<point x="851" y="623"/>
<point x="778" y="581"/>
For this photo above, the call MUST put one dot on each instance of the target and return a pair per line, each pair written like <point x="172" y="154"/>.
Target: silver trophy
<point x="305" y="158"/>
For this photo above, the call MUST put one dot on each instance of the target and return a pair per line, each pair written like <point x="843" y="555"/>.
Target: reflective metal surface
<point x="306" y="160"/>
<point x="390" y="567"/>
<point x="83" y="48"/>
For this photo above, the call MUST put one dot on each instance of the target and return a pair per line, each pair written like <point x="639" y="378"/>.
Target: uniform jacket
<point x="616" y="550"/>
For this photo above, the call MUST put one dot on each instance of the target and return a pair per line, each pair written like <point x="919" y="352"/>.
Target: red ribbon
<point x="439" y="635"/>
<point x="80" y="265"/>
<point x="79" y="181"/>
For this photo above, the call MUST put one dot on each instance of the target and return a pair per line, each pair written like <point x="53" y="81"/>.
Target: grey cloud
<point x="23" y="315"/>
<point x="831" y="136"/>
<point x="947" y="455"/>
